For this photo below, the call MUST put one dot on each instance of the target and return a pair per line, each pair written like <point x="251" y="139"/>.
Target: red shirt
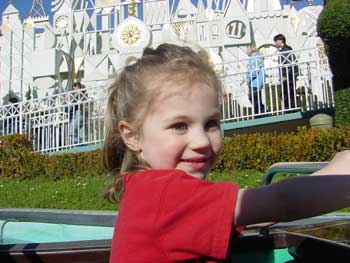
<point x="167" y="215"/>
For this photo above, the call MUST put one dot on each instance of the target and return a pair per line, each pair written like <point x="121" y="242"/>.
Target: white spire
<point x="10" y="9"/>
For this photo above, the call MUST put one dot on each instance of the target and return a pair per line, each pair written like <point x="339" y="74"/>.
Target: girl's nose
<point x="199" y="140"/>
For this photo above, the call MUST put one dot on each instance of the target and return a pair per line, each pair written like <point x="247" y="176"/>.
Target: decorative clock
<point x="62" y="22"/>
<point x="131" y="35"/>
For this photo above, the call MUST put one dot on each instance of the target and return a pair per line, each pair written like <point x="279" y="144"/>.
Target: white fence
<point x="289" y="82"/>
<point x="58" y="122"/>
<point x="72" y="119"/>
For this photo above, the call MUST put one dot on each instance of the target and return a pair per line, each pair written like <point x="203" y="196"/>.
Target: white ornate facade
<point x="90" y="40"/>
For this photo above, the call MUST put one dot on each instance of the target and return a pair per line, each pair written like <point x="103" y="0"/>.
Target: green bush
<point x="17" y="160"/>
<point x="240" y="152"/>
<point x="342" y="107"/>
<point x="333" y="26"/>
<point x="260" y="150"/>
<point x="334" y="20"/>
<point x="75" y="165"/>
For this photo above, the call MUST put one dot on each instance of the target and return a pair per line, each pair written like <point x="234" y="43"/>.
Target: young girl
<point x="163" y="136"/>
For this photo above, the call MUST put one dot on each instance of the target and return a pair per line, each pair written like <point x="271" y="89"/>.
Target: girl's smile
<point x="182" y="130"/>
<point x="196" y="164"/>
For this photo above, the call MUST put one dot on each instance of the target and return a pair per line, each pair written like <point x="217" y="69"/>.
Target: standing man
<point x="288" y="71"/>
<point x="77" y="114"/>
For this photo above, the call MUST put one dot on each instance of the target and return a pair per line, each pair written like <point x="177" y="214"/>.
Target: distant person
<point x="288" y="71"/>
<point x="255" y="78"/>
<point x="76" y="114"/>
<point x="163" y="136"/>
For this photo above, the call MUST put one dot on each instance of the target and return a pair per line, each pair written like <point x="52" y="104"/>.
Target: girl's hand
<point x="340" y="165"/>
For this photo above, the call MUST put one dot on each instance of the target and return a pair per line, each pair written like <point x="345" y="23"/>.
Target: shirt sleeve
<point x="195" y="217"/>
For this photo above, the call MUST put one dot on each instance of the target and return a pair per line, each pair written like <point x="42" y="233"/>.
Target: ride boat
<point x="320" y="239"/>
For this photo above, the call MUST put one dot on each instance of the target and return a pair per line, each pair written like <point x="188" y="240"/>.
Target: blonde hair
<point x="251" y="49"/>
<point x="132" y="93"/>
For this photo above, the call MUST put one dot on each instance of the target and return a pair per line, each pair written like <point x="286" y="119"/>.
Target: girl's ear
<point x="129" y="135"/>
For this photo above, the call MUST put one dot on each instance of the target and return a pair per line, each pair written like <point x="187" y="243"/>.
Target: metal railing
<point x="288" y="168"/>
<point x="300" y="84"/>
<point x="2" y="228"/>
<point x="291" y="168"/>
<point x="76" y="118"/>
<point x="58" y="122"/>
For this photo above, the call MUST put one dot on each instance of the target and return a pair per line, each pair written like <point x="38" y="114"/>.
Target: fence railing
<point x="286" y="82"/>
<point x="76" y="118"/>
<point x="58" y="122"/>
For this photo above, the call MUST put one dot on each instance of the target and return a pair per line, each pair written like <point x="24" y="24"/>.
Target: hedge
<point x="240" y="152"/>
<point x="333" y="26"/>
<point x="17" y="160"/>
<point x="260" y="150"/>
<point x="334" y="20"/>
<point x="342" y="107"/>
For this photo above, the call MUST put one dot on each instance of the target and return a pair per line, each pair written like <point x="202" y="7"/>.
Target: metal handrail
<point x="3" y="227"/>
<point x="291" y="168"/>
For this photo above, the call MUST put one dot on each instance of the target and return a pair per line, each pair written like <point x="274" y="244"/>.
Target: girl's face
<point x="182" y="130"/>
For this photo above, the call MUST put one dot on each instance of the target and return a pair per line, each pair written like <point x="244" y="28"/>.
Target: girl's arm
<point x="298" y="197"/>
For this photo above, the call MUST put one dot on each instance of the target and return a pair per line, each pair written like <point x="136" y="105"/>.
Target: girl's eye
<point x="212" y="123"/>
<point x="180" y="126"/>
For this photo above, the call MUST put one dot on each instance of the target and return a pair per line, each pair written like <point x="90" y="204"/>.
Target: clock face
<point x="131" y="34"/>
<point x="62" y="22"/>
<point x="236" y="29"/>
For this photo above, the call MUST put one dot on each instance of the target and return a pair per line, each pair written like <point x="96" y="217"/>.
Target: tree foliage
<point x="333" y="27"/>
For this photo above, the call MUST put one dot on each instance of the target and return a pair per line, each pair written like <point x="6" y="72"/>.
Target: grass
<point x="245" y="179"/>
<point x="86" y="193"/>
<point x="81" y="193"/>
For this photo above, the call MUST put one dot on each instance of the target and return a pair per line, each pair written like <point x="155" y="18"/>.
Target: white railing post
<point x="20" y="118"/>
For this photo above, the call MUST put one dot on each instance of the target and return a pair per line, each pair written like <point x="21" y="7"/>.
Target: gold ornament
<point x="29" y="23"/>
<point x="6" y="27"/>
<point x="132" y="8"/>
<point x="131" y="34"/>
